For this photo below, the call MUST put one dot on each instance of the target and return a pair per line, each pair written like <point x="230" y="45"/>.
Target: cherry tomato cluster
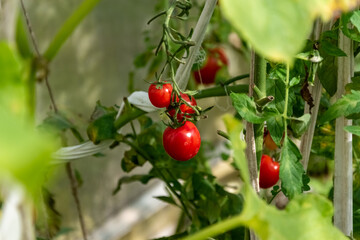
<point x="269" y="172"/>
<point x="216" y="59"/>
<point x="181" y="139"/>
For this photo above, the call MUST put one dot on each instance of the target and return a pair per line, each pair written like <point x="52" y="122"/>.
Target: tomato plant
<point x="299" y="89"/>
<point x="160" y="94"/>
<point x="269" y="172"/>
<point x="215" y="60"/>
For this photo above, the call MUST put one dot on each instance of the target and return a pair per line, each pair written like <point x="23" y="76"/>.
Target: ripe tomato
<point x="215" y="60"/>
<point x="182" y="143"/>
<point x="160" y="94"/>
<point x="269" y="172"/>
<point x="183" y="107"/>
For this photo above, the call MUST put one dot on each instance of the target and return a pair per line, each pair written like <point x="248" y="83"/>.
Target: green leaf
<point x="345" y="106"/>
<point x="331" y="49"/>
<point x="246" y="107"/>
<point x="102" y="128"/>
<point x="21" y="38"/>
<point x="275" y="126"/>
<point x="351" y="17"/>
<point x="143" y="178"/>
<point x="272" y="27"/>
<point x="57" y="122"/>
<point x="353" y="129"/>
<point x="294" y="81"/>
<point x="299" y="125"/>
<point x="307" y="216"/>
<point x="312" y="212"/>
<point x="25" y="153"/>
<point x="131" y="160"/>
<point x="166" y="199"/>
<point x="234" y="128"/>
<point x="291" y="170"/>
<point x="355" y="19"/>
<point x="327" y="71"/>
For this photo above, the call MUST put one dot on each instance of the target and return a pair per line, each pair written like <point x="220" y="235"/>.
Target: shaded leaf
<point x="143" y="178"/>
<point x="166" y="199"/>
<point x="300" y="125"/>
<point x="275" y="126"/>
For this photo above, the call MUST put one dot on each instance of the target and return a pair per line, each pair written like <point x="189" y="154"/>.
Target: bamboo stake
<point x="307" y="138"/>
<point x="343" y="147"/>
<point x="183" y="71"/>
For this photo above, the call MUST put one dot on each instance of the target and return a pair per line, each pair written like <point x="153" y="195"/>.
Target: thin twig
<point x="69" y="170"/>
<point x="31" y="32"/>
<point x="74" y="187"/>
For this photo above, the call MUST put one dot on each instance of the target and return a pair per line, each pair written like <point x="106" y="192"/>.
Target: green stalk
<point x="125" y="118"/>
<point x="68" y="27"/>
<point x="286" y="97"/>
<point x="222" y="91"/>
<point x="216" y="229"/>
<point x="260" y="83"/>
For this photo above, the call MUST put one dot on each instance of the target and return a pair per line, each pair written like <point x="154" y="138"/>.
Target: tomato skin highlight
<point x="182" y="143"/>
<point x="269" y="172"/>
<point x="160" y="95"/>
<point x="183" y="107"/>
<point x="215" y="60"/>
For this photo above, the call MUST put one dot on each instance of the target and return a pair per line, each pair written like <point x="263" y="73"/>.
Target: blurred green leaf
<point x="272" y="27"/>
<point x="24" y="152"/>
<point x="21" y="38"/>
<point x="345" y="106"/>
<point x="354" y="18"/>
<point x="353" y="129"/>
<point x="234" y="128"/>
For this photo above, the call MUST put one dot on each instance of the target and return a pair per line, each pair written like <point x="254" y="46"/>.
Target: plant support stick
<point x="183" y="71"/>
<point x="343" y="181"/>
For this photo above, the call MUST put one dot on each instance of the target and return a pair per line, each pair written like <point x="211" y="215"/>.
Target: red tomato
<point x="183" y="107"/>
<point x="160" y="94"/>
<point x="182" y="143"/>
<point x="269" y="172"/>
<point x="215" y="60"/>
